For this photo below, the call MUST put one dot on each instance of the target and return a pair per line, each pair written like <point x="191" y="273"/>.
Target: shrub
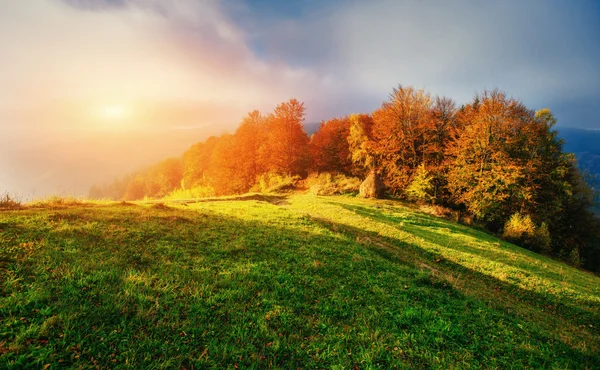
<point x="195" y="192"/>
<point x="56" y="201"/>
<point x="521" y="230"/>
<point x="574" y="258"/>
<point x="271" y="182"/>
<point x="9" y="202"/>
<point x="436" y="210"/>
<point x="542" y="238"/>
<point x="332" y="184"/>
<point x="518" y="227"/>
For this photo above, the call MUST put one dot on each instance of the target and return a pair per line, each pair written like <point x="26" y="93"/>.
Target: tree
<point x="249" y="137"/>
<point x="329" y="148"/>
<point x="364" y="156"/>
<point x="163" y="177"/>
<point x="360" y="143"/>
<point x="195" y="163"/>
<point x="421" y="186"/>
<point x="488" y="168"/>
<point x="135" y="189"/>
<point x="438" y="134"/>
<point x="285" y="150"/>
<point x="399" y="134"/>
<point x="225" y="173"/>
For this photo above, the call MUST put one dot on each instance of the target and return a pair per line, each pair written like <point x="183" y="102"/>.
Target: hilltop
<point x="281" y="281"/>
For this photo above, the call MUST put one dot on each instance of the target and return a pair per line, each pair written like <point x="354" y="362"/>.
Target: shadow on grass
<point x="428" y="229"/>
<point x="416" y="218"/>
<point x="221" y="291"/>
<point x="565" y="305"/>
<point x="276" y="199"/>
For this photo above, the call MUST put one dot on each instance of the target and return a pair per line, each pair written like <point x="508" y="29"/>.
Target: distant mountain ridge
<point x="311" y="127"/>
<point x="585" y="144"/>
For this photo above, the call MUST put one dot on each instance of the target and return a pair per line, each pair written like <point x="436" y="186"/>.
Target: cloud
<point x="183" y="67"/>
<point x="538" y="52"/>
<point x="95" y="5"/>
<point x="206" y="63"/>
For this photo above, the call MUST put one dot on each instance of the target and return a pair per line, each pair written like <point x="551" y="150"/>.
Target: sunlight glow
<point x="114" y="113"/>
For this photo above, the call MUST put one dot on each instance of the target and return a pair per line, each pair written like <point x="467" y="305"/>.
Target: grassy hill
<point x="293" y="281"/>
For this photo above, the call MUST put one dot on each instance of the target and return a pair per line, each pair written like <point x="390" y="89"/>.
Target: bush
<point x="332" y="184"/>
<point x="56" y="201"/>
<point x="436" y="210"/>
<point x="518" y="227"/>
<point x="542" y="238"/>
<point x="275" y="183"/>
<point x="521" y="230"/>
<point x="195" y="192"/>
<point x="574" y="258"/>
<point x="9" y="202"/>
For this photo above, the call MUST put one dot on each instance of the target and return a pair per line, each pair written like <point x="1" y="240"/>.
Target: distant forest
<point x="493" y="160"/>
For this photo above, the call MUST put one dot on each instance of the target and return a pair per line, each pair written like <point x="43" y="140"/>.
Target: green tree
<point x="421" y="187"/>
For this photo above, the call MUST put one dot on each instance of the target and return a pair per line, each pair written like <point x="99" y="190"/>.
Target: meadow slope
<point x="273" y="281"/>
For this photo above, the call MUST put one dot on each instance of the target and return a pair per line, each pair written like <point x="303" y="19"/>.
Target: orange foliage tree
<point x="285" y="150"/>
<point x="196" y="161"/>
<point x="399" y="133"/>
<point x="493" y="163"/>
<point x="329" y="147"/>
<point x="224" y="171"/>
<point x="249" y="137"/>
<point x="235" y="163"/>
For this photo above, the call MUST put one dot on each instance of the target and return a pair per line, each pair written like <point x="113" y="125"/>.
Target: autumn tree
<point x="360" y="143"/>
<point x="195" y="163"/>
<point x="365" y="158"/>
<point x="488" y="167"/>
<point x="440" y="130"/>
<point x="399" y="133"/>
<point x="285" y="150"/>
<point x="162" y="178"/>
<point x="329" y="148"/>
<point x="115" y="190"/>
<point x="135" y="189"/>
<point x="225" y="174"/>
<point x="249" y="137"/>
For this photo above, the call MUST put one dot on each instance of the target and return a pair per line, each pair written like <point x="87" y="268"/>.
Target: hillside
<point x="284" y="282"/>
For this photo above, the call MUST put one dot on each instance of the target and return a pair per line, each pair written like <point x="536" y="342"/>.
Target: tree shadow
<point x="439" y="231"/>
<point x="419" y="219"/>
<point x="408" y="253"/>
<point x="276" y="199"/>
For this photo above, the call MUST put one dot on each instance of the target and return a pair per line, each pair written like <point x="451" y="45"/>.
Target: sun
<point x="114" y="113"/>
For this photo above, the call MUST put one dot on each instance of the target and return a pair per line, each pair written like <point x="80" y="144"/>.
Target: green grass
<point x="283" y="282"/>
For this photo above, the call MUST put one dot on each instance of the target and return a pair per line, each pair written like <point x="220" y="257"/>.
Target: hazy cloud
<point x="203" y="64"/>
<point x="96" y="4"/>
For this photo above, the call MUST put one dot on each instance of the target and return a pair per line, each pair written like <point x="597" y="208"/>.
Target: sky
<point x="93" y="89"/>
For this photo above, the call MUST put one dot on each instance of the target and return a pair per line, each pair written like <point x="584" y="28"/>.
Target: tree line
<point x="492" y="160"/>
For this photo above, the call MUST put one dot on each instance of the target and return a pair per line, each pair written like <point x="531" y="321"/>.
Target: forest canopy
<point x="493" y="160"/>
